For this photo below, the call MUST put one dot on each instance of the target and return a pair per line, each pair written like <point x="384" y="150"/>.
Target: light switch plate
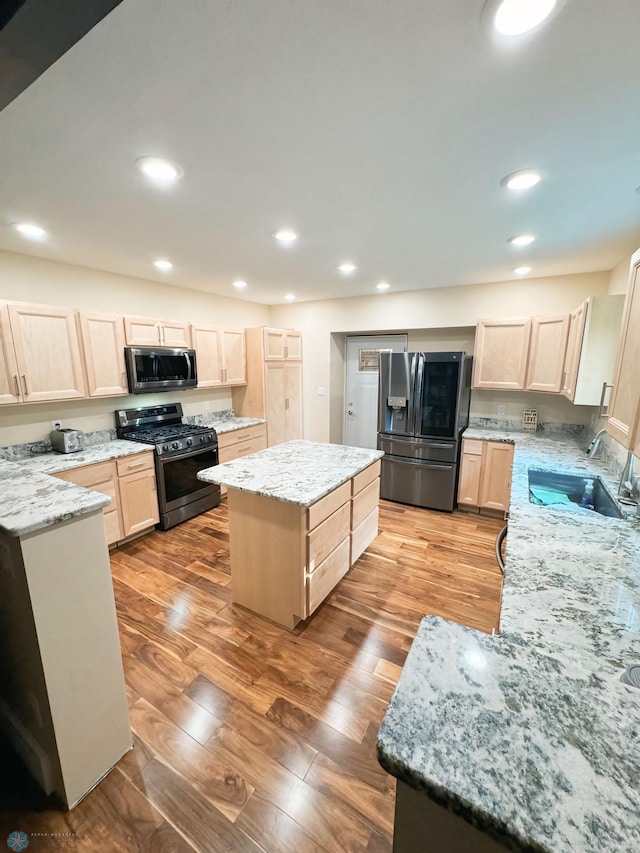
<point x="321" y="391"/>
<point x="501" y="408"/>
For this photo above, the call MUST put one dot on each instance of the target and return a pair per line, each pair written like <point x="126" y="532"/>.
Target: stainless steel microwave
<point x="160" y="369"/>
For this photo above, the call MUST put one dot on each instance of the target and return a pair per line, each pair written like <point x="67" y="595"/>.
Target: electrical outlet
<point x="56" y="424"/>
<point x="502" y="409"/>
<point x="206" y="405"/>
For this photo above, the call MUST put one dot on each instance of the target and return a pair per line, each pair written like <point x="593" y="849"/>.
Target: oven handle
<point x="209" y="449"/>
<point x="188" y="360"/>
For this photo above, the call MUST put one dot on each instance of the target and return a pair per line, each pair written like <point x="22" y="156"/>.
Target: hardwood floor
<point x="247" y="736"/>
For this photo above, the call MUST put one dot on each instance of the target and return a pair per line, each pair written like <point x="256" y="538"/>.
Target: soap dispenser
<point x="587" y="496"/>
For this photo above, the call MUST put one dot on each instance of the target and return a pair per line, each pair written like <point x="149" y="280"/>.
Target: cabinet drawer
<point x="242" y="448"/>
<point x="365" y="477"/>
<point x="91" y="476"/>
<point x="472" y="446"/>
<point x="323" y="539"/>
<point x="237" y="436"/>
<point x="363" y="535"/>
<point x="327" y="575"/>
<point x="133" y="464"/>
<point x="364" y="503"/>
<point x="323" y="508"/>
<point x="112" y="526"/>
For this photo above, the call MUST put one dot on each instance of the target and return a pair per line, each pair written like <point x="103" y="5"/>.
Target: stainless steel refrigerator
<point x="423" y="408"/>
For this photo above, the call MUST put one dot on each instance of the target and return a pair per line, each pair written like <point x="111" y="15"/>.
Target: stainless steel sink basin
<point x="572" y="486"/>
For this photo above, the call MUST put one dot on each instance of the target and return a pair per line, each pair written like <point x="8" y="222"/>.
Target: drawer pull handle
<point x="135" y="464"/>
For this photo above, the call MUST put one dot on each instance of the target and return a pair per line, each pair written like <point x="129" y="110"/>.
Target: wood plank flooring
<point x="247" y="736"/>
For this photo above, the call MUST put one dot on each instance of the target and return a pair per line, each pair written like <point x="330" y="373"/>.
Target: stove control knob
<point x="189" y="442"/>
<point x="165" y="446"/>
<point x="175" y="445"/>
<point x="209" y="438"/>
<point x="202" y="439"/>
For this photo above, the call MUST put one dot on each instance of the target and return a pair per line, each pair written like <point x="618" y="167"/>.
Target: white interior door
<point x="361" y="387"/>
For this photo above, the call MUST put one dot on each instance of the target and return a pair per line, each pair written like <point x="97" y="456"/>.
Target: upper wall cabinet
<point x="623" y="422"/>
<point x="150" y="332"/>
<point x="594" y="334"/>
<point x="220" y="354"/>
<point x="9" y="382"/>
<point x="547" y="349"/>
<point x="47" y="353"/>
<point x="282" y="345"/>
<point x="500" y="356"/>
<point x="103" y="345"/>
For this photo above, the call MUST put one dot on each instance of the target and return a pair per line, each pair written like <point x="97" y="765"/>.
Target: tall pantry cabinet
<point x="274" y="382"/>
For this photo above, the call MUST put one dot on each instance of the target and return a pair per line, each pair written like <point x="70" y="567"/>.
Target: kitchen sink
<point x="571" y="487"/>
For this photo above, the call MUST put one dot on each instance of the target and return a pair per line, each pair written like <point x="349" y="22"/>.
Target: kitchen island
<point x="300" y="514"/>
<point x="529" y="740"/>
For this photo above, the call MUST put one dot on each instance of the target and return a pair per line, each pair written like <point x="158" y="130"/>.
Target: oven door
<point x="178" y="483"/>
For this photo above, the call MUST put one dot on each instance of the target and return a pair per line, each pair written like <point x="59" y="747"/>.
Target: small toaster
<point x="67" y="440"/>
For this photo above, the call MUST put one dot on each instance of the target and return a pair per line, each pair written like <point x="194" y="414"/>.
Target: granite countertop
<point x="530" y="735"/>
<point x="299" y="472"/>
<point x="30" y="500"/>
<point x="230" y="424"/>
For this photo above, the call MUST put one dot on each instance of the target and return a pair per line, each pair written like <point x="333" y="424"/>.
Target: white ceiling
<point x="379" y="129"/>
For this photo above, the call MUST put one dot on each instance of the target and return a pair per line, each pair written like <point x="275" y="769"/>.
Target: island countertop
<point x="531" y="735"/>
<point x="299" y="472"/>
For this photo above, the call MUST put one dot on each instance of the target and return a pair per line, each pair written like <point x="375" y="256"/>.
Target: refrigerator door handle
<point x="417" y="371"/>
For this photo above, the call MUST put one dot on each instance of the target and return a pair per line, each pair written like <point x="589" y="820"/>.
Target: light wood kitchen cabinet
<point x="9" y="383"/>
<point x="47" y="352"/>
<point x="240" y="442"/>
<point x="282" y="345"/>
<point x="220" y="354"/>
<point x="485" y="474"/>
<point x="150" y="332"/>
<point x="547" y="349"/>
<point x="103" y="348"/>
<point x="594" y="335"/>
<point x="138" y="495"/>
<point x="101" y="477"/>
<point x="274" y="386"/>
<point x="500" y="354"/>
<point x="623" y="422"/>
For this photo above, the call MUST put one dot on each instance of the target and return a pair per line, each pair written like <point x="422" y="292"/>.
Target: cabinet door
<point x="275" y="395"/>
<point x="142" y="331"/>
<point x="206" y="342"/>
<point x="495" y="486"/>
<point x="9" y="382"/>
<point x="293" y="346"/>
<point x="274" y="344"/>
<point x="500" y="356"/>
<point x="233" y="355"/>
<point x="138" y="502"/>
<point x="574" y="347"/>
<point x="547" y="351"/>
<point x="175" y="334"/>
<point x="103" y="347"/>
<point x="293" y="401"/>
<point x="47" y="347"/>
<point x="469" y="482"/>
<point x="624" y="408"/>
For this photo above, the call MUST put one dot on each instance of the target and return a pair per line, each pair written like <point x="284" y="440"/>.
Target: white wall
<point x="31" y="279"/>
<point x="437" y="319"/>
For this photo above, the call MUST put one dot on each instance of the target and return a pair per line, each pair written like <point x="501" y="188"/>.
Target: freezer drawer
<point x="426" y="484"/>
<point x="426" y="449"/>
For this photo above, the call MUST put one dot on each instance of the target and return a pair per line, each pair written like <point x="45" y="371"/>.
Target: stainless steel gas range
<point x="181" y="450"/>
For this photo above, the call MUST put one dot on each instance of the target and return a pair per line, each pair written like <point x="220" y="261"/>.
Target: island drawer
<point x="472" y="446"/>
<point x="323" y="508"/>
<point x="133" y="464"/>
<point x="326" y="576"/>
<point x="364" y="534"/>
<point x="365" y="477"/>
<point x="322" y="539"/>
<point x="237" y="436"/>
<point x="364" y="503"/>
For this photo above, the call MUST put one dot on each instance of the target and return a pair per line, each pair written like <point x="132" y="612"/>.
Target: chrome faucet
<point x="595" y="443"/>
<point x="628" y="486"/>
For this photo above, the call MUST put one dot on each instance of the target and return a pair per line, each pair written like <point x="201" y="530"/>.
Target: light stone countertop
<point x="30" y="500"/>
<point x="299" y="472"/>
<point x="222" y="425"/>
<point x="530" y="735"/>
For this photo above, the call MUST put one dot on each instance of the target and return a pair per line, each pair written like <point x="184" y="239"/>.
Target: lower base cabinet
<point x="286" y="559"/>
<point x="131" y="484"/>
<point x="241" y="442"/>
<point x="485" y="475"/>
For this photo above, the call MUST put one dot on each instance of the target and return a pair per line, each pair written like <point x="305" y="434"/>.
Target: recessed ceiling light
<point x="516" y="17"/>
<point x="289" y="297"/>
<point x="522" y="270"/>
<point x="239" y="284"/>
<point x="30" y="230"/>
<point x="383" y="285"/>
<point x="522" y="180"/>
<point x="159" y="169"/>
<point x="286" y="236"/>
<point x="522" y="240"/>
<point x="163" y="266"/>
<point x="347" y="268"/>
